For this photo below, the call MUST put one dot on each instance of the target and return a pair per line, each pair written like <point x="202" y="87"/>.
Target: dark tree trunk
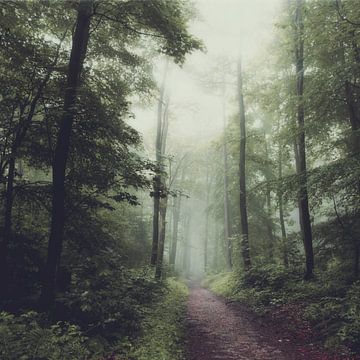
<point x="7" y="232"/>
<point x="245" y="247"/>
<point x="24" y="124"/>
<point x="162" y="232"/>
<point x="300" y="152"/>
<point x="77" y="57"/>
<point x="155" y="239"/>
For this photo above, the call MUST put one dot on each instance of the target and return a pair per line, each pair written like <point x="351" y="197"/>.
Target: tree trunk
<point x="269" y="221"/>
<point x="300" y="152"/>
<point x="227" y="224"/>
<point x="245" y="248"/>
<point x="157" y="179"/>
<point x="9" y="197"/>
<point x="227" y="227"/>
<point x="155" y="239"/>
<point x="77" y="57"/>
<point x="162" y="232"/>
<point x="186" y="247"/>
<point x="176" y="218"/>
<point x="281" y="210"/>
<point x="206" y="240"/>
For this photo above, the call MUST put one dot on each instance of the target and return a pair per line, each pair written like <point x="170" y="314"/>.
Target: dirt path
<point x="220" y="330"/>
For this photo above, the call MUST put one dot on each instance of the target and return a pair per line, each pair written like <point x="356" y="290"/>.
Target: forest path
<point x="217" y="329"/>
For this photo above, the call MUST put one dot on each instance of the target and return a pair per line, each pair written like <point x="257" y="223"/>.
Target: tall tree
<point x="76" y="61"/>
<point x="299" y="145"/>
<point x="227" y="224"/>
<point x="244" y="227"/>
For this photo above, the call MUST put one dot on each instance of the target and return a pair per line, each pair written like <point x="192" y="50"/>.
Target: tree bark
<point x="186" y="263"/>
<point x="245" y="247"/>
<point x="269" y="221"/>
<point x="174" y="243"/>
<point x="162" y="232"/>
<point x="156" y="210"/>
<point x="206" y="240"/>
<point x="300" y="151"/>
<point x="227" y="227"/>
<point x="227" y="224"/>
<point x="7" y="232"/>
<point x="157" y="179"/>
<point x="77" y="57"/>
<point x="281" y="210"/>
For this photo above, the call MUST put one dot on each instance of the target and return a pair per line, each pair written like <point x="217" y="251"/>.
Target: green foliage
<point x="350" y="331"/>
<point x="327" y="302"/>
<point x="27" y="337"/>
<point x="162" y="337"/>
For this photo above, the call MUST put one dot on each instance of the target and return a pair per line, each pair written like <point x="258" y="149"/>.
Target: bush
<point x="110" y="304"/>
<point x="350" y="332"/>
<point x="24" y="338"/>
<point x="162" y="337"/>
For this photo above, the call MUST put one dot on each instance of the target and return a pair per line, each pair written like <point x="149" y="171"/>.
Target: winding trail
<point x="217" y="329"/>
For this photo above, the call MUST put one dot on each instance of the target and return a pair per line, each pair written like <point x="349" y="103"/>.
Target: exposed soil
<point x="217" y="329"/>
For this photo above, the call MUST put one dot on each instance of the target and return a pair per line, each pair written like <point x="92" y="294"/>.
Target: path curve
<point x="217" y="330"/>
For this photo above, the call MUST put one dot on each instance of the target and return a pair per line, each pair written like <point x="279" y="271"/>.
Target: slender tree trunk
<point x="176" y="218"/>
<point x="155" y="240"/>
<point x="77" y="57"/>
<point x="245" y="247"/>
<point x="300" y="152"/>
<point x="227" y="224"/>
<point x="227" y="227"/>
<point x="206" y="240"/>
<point x="157" y="184"/>
<point x="7" y="232"/>
<point x="269" y="221"/>
<point x="281" y="210"/>
<point x="162" y="232"/>
<point x="186" y="246"/>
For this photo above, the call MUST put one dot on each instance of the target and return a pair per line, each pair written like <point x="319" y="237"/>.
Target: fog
<point x="229" y="29"/>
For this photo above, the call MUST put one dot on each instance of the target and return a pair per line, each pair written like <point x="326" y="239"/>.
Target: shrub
<point x="24" y="338"/>
<point x="162" y="337"/>
<point x="350" y="332"/>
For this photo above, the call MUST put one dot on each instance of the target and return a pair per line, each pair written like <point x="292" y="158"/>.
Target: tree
<point x="245" y="249"/>
<point x="168" y="22"/>
<point x="76" y="61"/>
<point x="299" y="144"/>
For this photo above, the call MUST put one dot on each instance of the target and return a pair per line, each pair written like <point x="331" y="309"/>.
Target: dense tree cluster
<point x="71" y="167"/>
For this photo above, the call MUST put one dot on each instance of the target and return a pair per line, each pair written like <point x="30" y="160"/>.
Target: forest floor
<point x="219" y="329"/>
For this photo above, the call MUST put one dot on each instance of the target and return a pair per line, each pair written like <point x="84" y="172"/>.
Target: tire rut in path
<point x="220" y="330"/>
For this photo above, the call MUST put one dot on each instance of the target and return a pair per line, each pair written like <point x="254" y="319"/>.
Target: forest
<point x="180" y="179"/>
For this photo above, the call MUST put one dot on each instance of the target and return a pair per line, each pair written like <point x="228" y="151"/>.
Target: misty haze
<point x="180" y="179"/>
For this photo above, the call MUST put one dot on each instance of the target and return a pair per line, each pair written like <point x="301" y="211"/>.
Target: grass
<point x="163" y="334"/>
<point x="329" y="303"/>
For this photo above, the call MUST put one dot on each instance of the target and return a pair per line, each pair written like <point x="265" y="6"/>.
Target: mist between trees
<point x="135" y="148"/>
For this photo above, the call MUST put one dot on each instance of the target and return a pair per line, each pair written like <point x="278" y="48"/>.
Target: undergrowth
<point x="158" y="326"/>
<point x="162" y="338"/>
<point x="329" y="303"/>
